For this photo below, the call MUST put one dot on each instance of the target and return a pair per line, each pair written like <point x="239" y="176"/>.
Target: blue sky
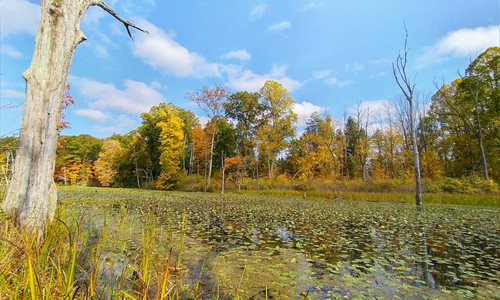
<point x="331" y="55"/>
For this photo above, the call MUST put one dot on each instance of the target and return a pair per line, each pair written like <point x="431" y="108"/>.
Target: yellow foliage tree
<point x="73" y="173"/>
<point x="106" y="166"/>
<point x="172" y="147"/>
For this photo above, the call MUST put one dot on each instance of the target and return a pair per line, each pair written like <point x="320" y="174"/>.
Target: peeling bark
<point x="31" y="197"/>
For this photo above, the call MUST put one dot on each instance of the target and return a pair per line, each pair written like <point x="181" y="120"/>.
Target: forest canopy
<point x="251" y="132"/>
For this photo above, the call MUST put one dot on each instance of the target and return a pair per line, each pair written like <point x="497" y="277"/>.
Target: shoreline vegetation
<point x="472" y="191"/>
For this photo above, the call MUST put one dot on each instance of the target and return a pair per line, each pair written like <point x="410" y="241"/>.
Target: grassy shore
<point x="481" y="200"/>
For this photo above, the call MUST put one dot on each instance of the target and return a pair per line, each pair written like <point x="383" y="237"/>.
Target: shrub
<point x="454" y="186"/>
<point x="193" y="183"/>
<point x="481" y="185"/>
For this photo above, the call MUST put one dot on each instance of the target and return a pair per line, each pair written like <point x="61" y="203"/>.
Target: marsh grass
<point x="483" y="200"/>
<point x="80" y="258"/>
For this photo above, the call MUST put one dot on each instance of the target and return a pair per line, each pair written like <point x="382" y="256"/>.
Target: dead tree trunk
<point x="31" y="196"/>
<point x="211" y="158"/>
<point x="223" y="169"/>
<point x="408" y="88"/>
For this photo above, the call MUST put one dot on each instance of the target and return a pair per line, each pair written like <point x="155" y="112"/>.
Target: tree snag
<point x="31" y="197"/>
<point x="408" y="88"/>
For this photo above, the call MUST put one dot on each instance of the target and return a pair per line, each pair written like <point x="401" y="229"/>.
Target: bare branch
<point x="8" y="106"/>
<point x="126" y="23"/>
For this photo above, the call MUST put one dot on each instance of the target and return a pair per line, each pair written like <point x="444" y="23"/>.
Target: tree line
<point x="254" y="135"/>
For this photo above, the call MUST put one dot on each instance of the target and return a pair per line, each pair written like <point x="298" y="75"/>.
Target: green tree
<point x="150" y="134"/>
<point x="468" y="110"/>
<point x="225" y="144"/>
<point x="246" y="111"/>
<point x="352" y="138"/>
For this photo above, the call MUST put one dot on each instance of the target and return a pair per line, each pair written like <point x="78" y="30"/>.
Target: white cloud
<point x="312" y="5"/>
<point x="11" y="94"/>
<point x="379" y="74"/>
<point x="376" y="109"/>
<point x="354" y="67"/>
<point x="258" y="11"/>
<point x="381" y="61"/>
<point x="322" y="74"/>
<point x="156" y="85"/>
<point x="92" y="114"/>
<point x="10" y="51"/>
<point x="241" y="54"/>
<point x="19" y="17"/>
<point x="460" y="43"/>
<point x="121" y="124"/>
<point x="279" y="27"/>
<point x="304" y="111"/>
<point x="334" y="81"/>
<point x="100" y="44"/>
<point x="161" y="52"/>
<point x="99" y="32"/>
<point x="246" y="80"/>
<point x="137" y="97"/>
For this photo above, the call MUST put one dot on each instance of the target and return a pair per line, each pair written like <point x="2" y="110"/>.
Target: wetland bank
<point x="134" y="244"/>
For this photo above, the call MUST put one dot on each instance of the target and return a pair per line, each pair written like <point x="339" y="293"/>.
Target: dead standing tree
<point x="31" y="196"/>
<point x="408" y="88"/>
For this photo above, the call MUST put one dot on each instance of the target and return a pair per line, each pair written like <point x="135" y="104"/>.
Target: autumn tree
<point x="200" y="145"/>
<point x="429" y="137"/>
<point x="8" y="146"/>
<point x="31" y="196"/>
<point x="211" y="101"/>
<point x="235" y="169"/>
<point x="172" y="147"/>
<point x="315" y="153"/>
<point x="278" y="122"/>
<point x="107" y="165"/>
<point x="75" y="158"/>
